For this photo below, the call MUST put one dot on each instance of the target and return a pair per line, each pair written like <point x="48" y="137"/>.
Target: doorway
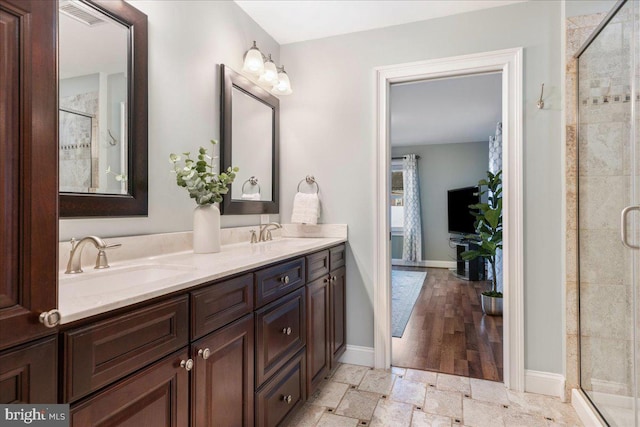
<point x="509" y="63"/>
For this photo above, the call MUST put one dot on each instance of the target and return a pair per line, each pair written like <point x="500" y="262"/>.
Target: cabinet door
<point x="338" y="315"/>
<point x="28" y="168"/>
<point x="29" y="374"/>
<point x="318" y="352"/>
<point x="156" y="396"/>
<point x="222" y="384"/>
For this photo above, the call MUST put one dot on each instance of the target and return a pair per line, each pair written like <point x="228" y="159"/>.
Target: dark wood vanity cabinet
<point x="28" y="168"/>
<point x="326" y="299"/>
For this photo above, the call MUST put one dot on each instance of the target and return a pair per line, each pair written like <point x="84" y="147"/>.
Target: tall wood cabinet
<point x="28" y="199"/>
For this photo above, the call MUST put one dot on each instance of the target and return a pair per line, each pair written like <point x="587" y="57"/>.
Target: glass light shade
<point x="253" y="62"/>
<point x="270" y="73"/>
<point x="283" y="85"/>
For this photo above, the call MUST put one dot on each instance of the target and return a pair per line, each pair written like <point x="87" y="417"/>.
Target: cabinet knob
<point x="286" y="331"/>
<point x="327" y="279"/>
<point x="287" y="399"/>
<point x="204" y="353"/>
<point x="50" y="318"/>
<point x="187" y="364"/>
<point x="334" y="278"/>
<point x="285" y="280"/>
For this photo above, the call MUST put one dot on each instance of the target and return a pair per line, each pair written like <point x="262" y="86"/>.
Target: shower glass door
<point x="607" y="184"/>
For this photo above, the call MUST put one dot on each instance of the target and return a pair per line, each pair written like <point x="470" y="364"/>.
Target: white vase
<point x="206" y="229"/>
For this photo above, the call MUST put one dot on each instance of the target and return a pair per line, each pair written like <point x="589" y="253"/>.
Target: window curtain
<point x="495" y="164"/>
<point x="412" y="242"/>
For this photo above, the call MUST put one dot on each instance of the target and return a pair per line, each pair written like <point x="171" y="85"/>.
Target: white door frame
<point x="509" y="62"/>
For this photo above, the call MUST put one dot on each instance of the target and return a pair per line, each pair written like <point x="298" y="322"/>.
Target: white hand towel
<point x="252" y="196"/>
<point x="306" y="208"/>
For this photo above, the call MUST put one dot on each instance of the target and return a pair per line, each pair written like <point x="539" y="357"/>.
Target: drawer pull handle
<point x="286" y="331"/>
<point x="287" y="399"/>
<point x="285" y="280"/>
<point x="50" y="318"/>
<point x="187" y="364"/>
<point x="204" y="353"/>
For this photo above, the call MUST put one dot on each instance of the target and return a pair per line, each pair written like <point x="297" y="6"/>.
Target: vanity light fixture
<point x="270" y="76"/>
<point x="253" y="61"/>
<point x="283" y="85"/>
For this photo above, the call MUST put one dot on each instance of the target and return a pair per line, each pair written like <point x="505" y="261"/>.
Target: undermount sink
<point x="100" y="282"/>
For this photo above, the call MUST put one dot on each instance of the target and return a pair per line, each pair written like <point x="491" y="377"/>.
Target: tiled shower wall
<point x="603" y="170"/>
<point x="578" y="29"/>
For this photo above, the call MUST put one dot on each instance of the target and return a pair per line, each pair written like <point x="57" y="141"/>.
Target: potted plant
<point x="488" y="237"/>
<point x="207" y="188"/>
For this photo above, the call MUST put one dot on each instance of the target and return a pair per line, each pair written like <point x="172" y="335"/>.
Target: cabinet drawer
<point x="155" y="396"/>
<point x="105" y="351"/>
<point x="337" y="257"/>
<point x="220" y="304"/>
<point x="273" y="282"/>
<point x="317" y="265"/>
<point x="282" y="395"/>
<point x="280" y="333"/>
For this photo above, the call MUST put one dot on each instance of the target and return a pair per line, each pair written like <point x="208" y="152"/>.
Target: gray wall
<point x="187" y="41"/>
<point x="328" y="129"/>
<point x="443" y="167"/>
<point x="582" y="7"/>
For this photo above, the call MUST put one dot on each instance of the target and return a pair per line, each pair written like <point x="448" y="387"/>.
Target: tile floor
<point x="355" y="396"/>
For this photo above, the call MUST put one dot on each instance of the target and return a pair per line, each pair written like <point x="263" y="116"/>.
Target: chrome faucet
<point x="265" y="231"/>
<point x="75" y="264"/>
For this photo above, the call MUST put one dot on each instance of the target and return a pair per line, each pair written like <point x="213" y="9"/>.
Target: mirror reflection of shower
<point x="93" y="96"/>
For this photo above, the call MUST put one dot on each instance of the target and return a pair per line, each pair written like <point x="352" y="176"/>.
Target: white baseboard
<point x="427" y="263"/>
<point x="358" y="355"/>
<point x="585" y="411"/>
<point x="546" y="383"/>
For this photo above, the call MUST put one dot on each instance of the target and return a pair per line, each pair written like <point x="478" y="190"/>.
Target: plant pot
<point x="206" y="229"/>
<point x="491" y="305"/>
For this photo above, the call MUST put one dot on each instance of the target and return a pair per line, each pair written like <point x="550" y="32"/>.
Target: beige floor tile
<point x="358" y="404"/>
<point x="482" y="414"/>
<point x="307" y="416"/>
<point x="489" y="391"/>
<point x="389" y="413"/>
<point x="422" y="419"/>
<point x="440" y="402"/>
<point x="425" y="377"/>
<point x="448" y="382"/>
<point x="330" y="394"/>
<point x="331" y="420"/>
<point x="545" y="406"/>
<point x="398" y="371"/>
<point x="408" y="392"/>
<point x="350" y="374"/>
<point x="520" y="419"/>
<point x="377" y="381"/>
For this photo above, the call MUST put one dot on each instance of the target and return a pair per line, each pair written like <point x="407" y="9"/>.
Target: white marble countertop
<point x="129" y="282"/>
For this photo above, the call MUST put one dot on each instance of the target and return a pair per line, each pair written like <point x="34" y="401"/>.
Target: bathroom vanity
<point x="240" y="337"/>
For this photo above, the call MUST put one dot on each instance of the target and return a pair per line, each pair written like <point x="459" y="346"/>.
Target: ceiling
<point x="290" y="21"/>
<point x="453" y="110"/>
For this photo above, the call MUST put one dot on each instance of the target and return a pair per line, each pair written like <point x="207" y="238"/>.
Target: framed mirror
<point x="102" y="86"/>
<point x="250" y="118"/>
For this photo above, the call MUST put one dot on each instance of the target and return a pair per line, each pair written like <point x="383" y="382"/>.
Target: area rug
<point x="405" y="288"/>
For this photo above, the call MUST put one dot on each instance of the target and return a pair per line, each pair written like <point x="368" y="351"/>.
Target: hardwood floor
<point x="447" y="331"/>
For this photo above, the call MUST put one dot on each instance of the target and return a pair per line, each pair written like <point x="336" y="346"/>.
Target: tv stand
<point x="473" y="270"/>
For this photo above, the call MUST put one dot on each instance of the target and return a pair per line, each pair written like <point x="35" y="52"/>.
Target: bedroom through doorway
<point x="445" y="134"/>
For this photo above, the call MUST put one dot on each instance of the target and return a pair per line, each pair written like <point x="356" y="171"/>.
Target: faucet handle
<point x="254" y="238"/>
<point x="101" y="259"/>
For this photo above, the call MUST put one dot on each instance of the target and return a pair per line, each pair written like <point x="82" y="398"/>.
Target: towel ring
<point x="309" y="179"/>
<point x="253" y="181"/>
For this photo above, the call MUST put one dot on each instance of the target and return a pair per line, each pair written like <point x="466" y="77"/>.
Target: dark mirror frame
<point x="77" y="205"/>
<point x="231" y="79"/>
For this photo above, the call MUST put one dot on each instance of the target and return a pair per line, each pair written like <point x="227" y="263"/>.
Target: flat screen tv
<point x="460" y="219"/>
